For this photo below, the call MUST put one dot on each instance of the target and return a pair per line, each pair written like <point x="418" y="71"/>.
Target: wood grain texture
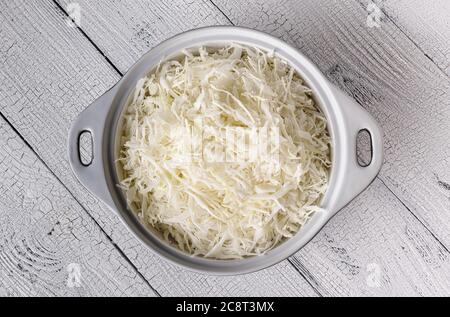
<point x="129" y="28"/>
<point x="426" y="23"/>
<point x="389" y="76"/>
<point x="323" y="33"/>
<point x="373" y="249"/>
<point x="50" y="73"/>
<point x="45" y="232"/>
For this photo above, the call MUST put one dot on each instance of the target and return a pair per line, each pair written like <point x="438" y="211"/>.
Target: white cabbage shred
<point x="224" y="210"/>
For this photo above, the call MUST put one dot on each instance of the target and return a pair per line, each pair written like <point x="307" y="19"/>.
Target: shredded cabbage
<point x="218" y="208"/>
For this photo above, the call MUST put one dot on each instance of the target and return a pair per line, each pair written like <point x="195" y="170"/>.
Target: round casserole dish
<point x="345" y="119"/>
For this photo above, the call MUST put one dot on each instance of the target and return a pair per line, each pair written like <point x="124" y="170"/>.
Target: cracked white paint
<point x="36" y="242"/>
<point x="44" y="87"/>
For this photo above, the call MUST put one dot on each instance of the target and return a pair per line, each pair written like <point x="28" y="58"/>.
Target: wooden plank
<point x="50" y="73"/>
<point x="321" y="30"/>
<point x="143" y="24"/>
<point x="46" y="237"/>
<point x="427" y="23"/>
<point x="373" y="249"/>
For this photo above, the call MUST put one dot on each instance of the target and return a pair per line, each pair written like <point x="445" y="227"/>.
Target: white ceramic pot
<point x="345" y="120"/>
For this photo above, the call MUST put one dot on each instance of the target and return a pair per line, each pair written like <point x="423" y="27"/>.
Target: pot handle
<point x="358" y="178"/>
<point x="92" y="120"/>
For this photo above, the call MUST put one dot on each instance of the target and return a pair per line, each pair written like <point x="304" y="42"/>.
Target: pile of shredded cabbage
<point x="226" y="210"/>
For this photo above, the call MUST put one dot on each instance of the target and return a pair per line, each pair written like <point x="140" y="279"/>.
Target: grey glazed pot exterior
<point x="345" y="120"/>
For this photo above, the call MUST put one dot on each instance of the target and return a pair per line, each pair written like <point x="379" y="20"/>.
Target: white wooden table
<point x="57" y="239"/>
